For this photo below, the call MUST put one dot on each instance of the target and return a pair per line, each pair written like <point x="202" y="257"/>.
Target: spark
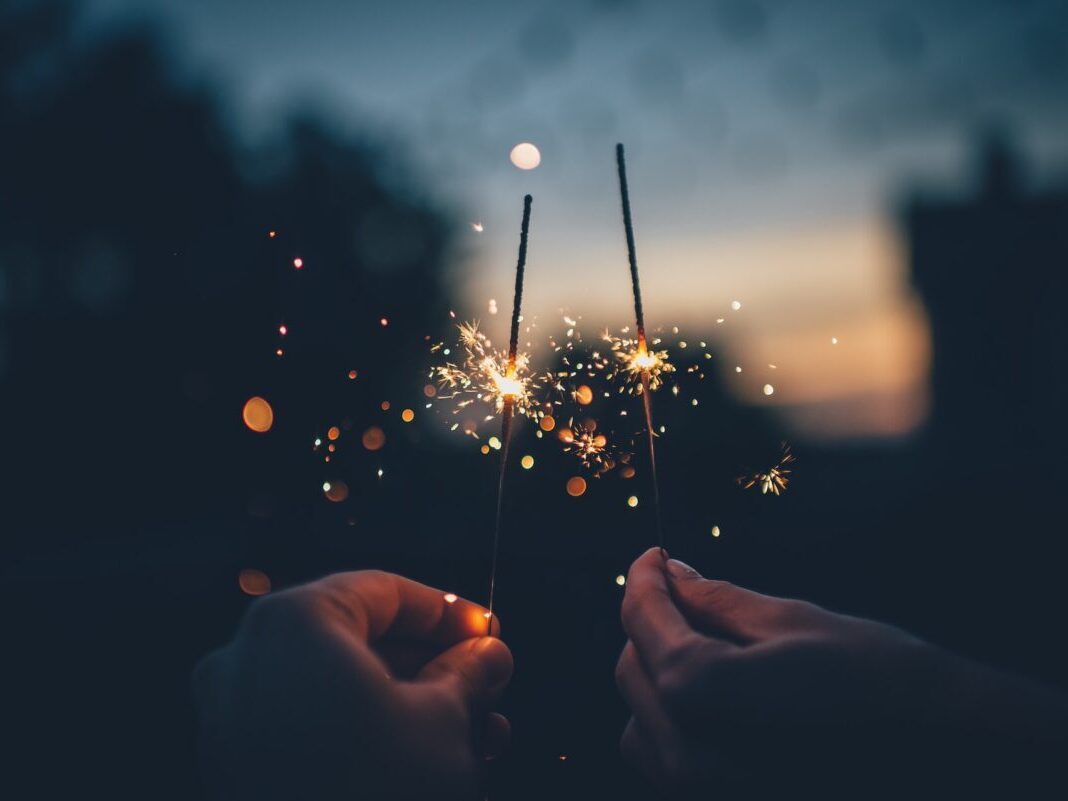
<point x="736" y="305"/>
<point x="634" y="360"/>
<point x="477" y="227"/>
<point x="588" y="444"/>
<point x="450" y="598"/>
<point x="486" y="375"/>
<point x="621" y="579"/>
<point x="298" y="263"/>
<point x="774" y="480"/>
<point x="769" y="389"/>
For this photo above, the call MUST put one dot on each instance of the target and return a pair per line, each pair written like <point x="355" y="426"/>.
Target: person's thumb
<point x="480" y="668"/>
<point x="723" y="609"/>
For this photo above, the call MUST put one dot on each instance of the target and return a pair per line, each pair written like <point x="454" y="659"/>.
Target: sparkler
<point x="488" y="375"/>
<point x="775" y="479"/>
<point x="508" y="389"/>
<point x="646" y="365"/>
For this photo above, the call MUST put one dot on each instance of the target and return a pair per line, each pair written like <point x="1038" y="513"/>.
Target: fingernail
<point x="681" y="569"/>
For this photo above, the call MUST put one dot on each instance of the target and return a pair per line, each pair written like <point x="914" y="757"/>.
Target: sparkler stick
<point x="642" y="359"/>
<point x="509" y="396"/>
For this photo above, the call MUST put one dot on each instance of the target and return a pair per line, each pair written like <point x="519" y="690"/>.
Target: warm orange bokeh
<point x="336" y="491"/>
<point x="254" y="582"/>
<point x="258" y="414"/>
<point x="576" y="486"/>
<point x="374" y="438"/>
<point x="547" y="423"/>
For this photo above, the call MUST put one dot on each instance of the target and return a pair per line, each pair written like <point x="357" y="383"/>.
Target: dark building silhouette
<point x="991" y="270"/>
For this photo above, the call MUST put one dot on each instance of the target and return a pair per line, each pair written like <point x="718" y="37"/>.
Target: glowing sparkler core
<point x="637" y="366"/>
<point x="508" y="386"/>
<point x="643" y="359"/>
<point x="491" y="376"/>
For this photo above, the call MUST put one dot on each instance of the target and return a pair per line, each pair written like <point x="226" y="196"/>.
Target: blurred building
<point x="990" y="266"/>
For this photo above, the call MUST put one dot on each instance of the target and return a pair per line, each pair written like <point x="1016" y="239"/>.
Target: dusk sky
<point x="767" y="145"/>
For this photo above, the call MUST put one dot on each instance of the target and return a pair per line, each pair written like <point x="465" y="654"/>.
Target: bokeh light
<point x="525" y="156"/>
<point x="407" y="415"/>
<point x="258" y="414"/>
<point x="254" y="582"/>
<point x="373" y="438"/>
<point x="576" y="486"/>
<point x="527" y="462"/>
<point x="336" y="491"/>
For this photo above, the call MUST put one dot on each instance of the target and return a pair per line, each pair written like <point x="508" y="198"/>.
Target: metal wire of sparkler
<point x="642" y="356"/>
<point x="509" y="399"/>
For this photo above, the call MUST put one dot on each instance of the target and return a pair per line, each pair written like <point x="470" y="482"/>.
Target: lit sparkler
<point x="775" y="479"/>
<point x="508" y="390"/>
<point x="486" y="375"/>
<point x="643" y="360"/>
<point x="636" y="364"/>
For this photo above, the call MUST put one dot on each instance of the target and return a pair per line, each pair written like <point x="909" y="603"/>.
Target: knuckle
<point x="712" y="592"/>
<point x="629" y="612"/>
<point x="792" y="612"/>
<point x="270" y="612"/>
<point x="622" y="668"/>
<point x="675" y="680"/>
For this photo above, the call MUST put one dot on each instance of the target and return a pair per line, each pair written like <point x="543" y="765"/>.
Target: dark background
<point x="140" y="296"/>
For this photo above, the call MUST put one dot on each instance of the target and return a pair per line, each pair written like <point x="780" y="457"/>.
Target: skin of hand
<point x="359" y="685"/>
<point x="739" y="690"/>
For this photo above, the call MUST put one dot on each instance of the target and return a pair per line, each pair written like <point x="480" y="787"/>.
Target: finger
<point x="375" y="603"/>
<point x="723" y="609"/>
<point x="478" y="669"/>
<point x="650" y="617"/>
<point x="496" y="733"/>
<point x="636" y="749"/>
<point x="641" y="695"/>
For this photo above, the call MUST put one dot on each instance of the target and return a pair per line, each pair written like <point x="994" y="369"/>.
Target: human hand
<point x="359" y="685"/>
<point x="751" y="691"/>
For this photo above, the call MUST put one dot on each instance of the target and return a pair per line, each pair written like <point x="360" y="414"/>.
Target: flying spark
<point x="775" y="479"/>
<point x="486" y="375"/>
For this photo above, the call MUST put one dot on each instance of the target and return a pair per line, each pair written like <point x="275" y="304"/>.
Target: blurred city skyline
<point x="768" y="144"/>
